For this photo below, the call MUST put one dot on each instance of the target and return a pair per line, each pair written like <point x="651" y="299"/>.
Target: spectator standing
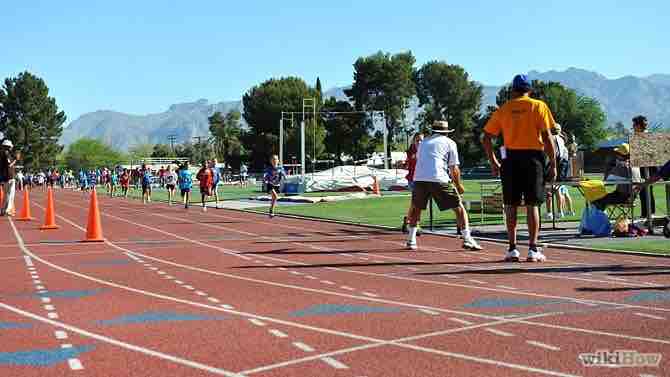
<point x="524" y="124"/>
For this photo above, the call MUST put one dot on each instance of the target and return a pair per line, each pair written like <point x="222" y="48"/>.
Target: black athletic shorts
<point x="269" y="187"/>
<point x="523" y="177"/>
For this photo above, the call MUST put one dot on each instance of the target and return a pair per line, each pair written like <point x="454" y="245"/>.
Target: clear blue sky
<point x="141" y="56"/>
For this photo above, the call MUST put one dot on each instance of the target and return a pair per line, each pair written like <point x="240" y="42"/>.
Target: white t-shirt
<point x="436" y="154"/>
<point x="170" y="178"/>
<point x="562" y="150"/>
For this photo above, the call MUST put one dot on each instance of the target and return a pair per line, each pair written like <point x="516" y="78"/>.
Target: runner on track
<point x="170" y="178"/>
<point x="206" y="178"/>
<point x="273" y="177"/>
<point x="216" y="178"/>
<point x="185" y="180"/>
<point x="125" y="183"/>
<point x="146" y="184"/>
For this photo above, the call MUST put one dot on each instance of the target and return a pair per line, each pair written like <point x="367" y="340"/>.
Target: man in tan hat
<point x="437" y="175"/>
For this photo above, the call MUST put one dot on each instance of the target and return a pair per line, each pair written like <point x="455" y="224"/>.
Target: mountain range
<point x="621" y="98"/>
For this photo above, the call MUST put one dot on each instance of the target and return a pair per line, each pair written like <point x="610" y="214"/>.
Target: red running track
<point x="187" y="293"/>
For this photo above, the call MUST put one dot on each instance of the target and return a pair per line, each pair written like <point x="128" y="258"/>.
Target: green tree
<point x="263" y="105"/>
<point x="318" y="89"/>
<point x="447" y="93"/>
<point x="578" y="115"/>
<point x="88" y="153"/>
<point x="226" y="132"/>
<point x="139" y="152"/>
<point x="31" y="119"/>
<point x="384" y="82"/>
<point x="161" y="151"/>
<point x="347" y="134"/>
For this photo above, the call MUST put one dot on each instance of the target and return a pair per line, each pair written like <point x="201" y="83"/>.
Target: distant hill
<point x="621" y="98"/>
<point x="185" y="120"/>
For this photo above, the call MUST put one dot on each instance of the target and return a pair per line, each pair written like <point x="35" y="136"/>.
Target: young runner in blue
<point x="273" y="177"/>
<point x="147" y="178"/>
<point x="185" y="183"/>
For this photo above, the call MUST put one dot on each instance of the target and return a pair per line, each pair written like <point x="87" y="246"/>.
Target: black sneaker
<point x="403" y="228"/>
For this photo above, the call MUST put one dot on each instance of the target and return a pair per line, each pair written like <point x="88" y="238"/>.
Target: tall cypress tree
<point x="31" y="119"/>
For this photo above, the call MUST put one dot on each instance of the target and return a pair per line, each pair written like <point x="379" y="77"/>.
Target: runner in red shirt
<point x="206" y="179"/>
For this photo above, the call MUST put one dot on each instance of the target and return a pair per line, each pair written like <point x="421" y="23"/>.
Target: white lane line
<point x="324" y="330"/>
<point x="543" y="345"/>
<point x="283" y="269"/>
<point x="310" y="277"/>
<point x="37" y="281"/>
<point x="649" y="316"/>
<point x="615" y="278"/>
<point x="189" y="287"/>
<point x="427" y="311"/>
<point x="296" y="273"/>
<point x="294" y="324"/>
<point x="347" y="288"/>
<point x="256" y="322"/>
<point x="161" y="272"/>
<point x="327" y="282"/>
<point x="49" y="307"/>
<point x="477" y="281"/>
<point x="334" y="363"/>
<point x="128" y="346"/>
<point x="29" y="261"/>
<point x="179" y="282"/>
<point x="168" y="277"/>
<point x="225" y="306"/>
<point x="52" y="315"/>
<point x="363" y="258"/>
<point x="461" y="321"/>
<point x="268" y="265"/>
<point x="60" y="334"/>
<point x="369" y="294"/>
<point x="46" y="300"/>
<point x="506" y="287"/>
<point x="66" y="345"/>
<point x="278" y="333"/>
<point x="412" y="268"/>
<point x="40" y="287"/>
<point x="75" y="364"/>
<point x="303" y="346"/>
<point x="200" y="293"/>
<point x="153" y="268"/>
<point x="212" y="299"/>
<point x="499" y="332"/>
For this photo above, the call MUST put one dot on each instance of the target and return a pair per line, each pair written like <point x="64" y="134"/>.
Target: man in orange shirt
<point x="525" y="126"/>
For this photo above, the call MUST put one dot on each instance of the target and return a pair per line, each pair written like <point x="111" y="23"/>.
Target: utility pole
<point x="172" y="138"/>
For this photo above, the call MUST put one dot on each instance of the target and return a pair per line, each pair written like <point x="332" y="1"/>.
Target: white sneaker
<point x="471" y="244"/>
<point x="411" y="245"/>
<point x="536" y="256"/>
<point x="512" y="256"/>
<point x="204" y="209"/>
<point x="549" y="216"/>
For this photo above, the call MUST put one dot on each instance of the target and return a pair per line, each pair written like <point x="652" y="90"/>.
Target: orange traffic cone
<point x="375" y="187"/>
<point x="94" y="227"/>
<point x="50" y="217"/>
<point x="25" y="211"/>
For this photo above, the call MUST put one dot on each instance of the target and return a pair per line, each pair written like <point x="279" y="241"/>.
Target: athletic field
<point x="185" y="293"/>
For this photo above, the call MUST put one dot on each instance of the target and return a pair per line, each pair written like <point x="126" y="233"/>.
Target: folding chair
<point x="618" y="210"/>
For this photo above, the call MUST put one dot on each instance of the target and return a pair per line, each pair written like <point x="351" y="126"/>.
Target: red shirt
<point x="125" y="180"/>
<point x="411" y="162"/>
<point x="205" y="177"/>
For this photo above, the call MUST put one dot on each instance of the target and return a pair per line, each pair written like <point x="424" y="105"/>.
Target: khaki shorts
<point x="444" y="194"/>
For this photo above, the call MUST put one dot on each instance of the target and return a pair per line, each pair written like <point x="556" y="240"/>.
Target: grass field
<point x="653" y="246"/>
<point x="389" y="209"/>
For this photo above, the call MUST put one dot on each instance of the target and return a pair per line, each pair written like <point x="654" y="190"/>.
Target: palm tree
<point x="226" y="135"/>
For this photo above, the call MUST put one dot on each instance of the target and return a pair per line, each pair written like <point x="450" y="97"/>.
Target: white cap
<point x="8" y="143"/>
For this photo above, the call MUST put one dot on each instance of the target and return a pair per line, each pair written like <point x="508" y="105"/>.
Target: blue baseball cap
<point x="521" y="82"/>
